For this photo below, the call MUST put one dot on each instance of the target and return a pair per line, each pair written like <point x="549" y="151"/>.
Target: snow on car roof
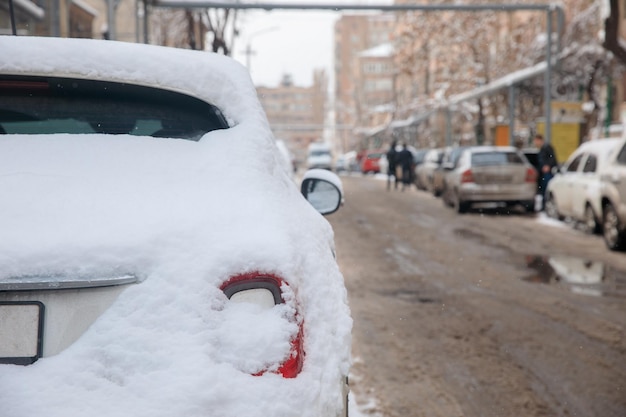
<point x="601" y="147"/>
<point x="184" y="216"/>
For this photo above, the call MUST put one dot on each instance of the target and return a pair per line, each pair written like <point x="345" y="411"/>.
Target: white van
<point x="319" y="155"/>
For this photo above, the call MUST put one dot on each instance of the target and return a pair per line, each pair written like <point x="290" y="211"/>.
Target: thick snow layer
<point x="184" y="216"/>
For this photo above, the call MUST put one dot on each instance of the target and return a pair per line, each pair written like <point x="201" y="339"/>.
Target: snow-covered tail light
<point x="263" y="330"/>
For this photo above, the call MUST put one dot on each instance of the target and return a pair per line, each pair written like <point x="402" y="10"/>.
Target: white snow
<point x="384" y="50"/>
<point x="184" y="216"/>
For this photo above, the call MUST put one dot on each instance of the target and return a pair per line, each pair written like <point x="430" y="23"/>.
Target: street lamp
<point x="249" y="52"/>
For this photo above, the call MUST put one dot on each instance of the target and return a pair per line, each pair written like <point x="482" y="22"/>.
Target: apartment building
<point x="89" y="19"/>
<point x="376" y="90"/>
<point x="297" y="114"/>
<point x="71" y="18"/>
<point x="353" y="36"/>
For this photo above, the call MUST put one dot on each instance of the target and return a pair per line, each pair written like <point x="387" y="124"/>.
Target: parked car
<point x="613" y="198"/>
<point x="319" y="155"/>
<point x="370" y="161"/>
<point x="418" y="159"/>
<point x="575" y="191"/>
<point x="424" y="171"/>
<point x="347" y="162"/>
<point x="156" y="259"/>
<point x="488" y="174"/>
<point x="532" y="154"/>
<point x="448" y="163"/>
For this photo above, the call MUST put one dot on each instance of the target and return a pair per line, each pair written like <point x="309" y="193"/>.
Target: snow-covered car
<point x="575" y="191"/>
<point x="156" y="258"/>
<point x="286" y="157"/>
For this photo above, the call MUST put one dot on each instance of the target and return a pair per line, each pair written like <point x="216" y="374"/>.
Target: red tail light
<point x="247" y="286"/>
<point x="531" y="175"/>
<point x="467" y="176"/>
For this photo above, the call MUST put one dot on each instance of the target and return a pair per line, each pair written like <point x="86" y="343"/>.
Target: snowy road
<point x="479" y="314"/>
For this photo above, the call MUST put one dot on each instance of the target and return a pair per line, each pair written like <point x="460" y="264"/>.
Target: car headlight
<point x="264" y="324"/>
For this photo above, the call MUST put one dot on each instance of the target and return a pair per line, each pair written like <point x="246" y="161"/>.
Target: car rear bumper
<point x="497" y="193"/>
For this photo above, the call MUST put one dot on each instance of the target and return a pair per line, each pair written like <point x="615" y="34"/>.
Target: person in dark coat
<point x="546" y="161"/>
<point x="392" y="156"/>
<point x="405" y="160"/>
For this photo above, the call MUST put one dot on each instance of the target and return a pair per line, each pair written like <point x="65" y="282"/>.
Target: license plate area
<point x="21" y="332"/>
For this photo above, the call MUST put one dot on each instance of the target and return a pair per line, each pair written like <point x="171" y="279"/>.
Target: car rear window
<point x="320" y="153"/>
<point x="495" y="158"/>
<point x="60" y="105"/>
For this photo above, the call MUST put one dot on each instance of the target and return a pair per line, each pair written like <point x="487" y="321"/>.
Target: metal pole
<point x="512" y="115"/>
<point x="548" y="75"/>
<point x="137" y="20"/>
<point x="249" y="52"/>
<point x="55" y="18"/>
<point x="111" y="19"/>
<point x="12" y="14"/>
<point x="360" y="7"/>
<point x="146" y="19"/>
<point x="448" y="127"/>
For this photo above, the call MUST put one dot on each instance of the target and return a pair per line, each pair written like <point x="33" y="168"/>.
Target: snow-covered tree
<point x="446" y="53"/>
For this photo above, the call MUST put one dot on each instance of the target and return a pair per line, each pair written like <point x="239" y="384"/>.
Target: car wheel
<point x="589" y="224"/>
<point x="445" y="196"/>
<point x="612" y="226"/>
<point x="551" y="209"/>
<point x="460" y="206"/>
<point x="529" y="206"/>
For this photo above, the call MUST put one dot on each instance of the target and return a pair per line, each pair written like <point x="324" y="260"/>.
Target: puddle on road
<point x="581" y="276"/>
<point x="410" y="296"/>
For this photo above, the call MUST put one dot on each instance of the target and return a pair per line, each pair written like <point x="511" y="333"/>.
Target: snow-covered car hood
<point x="183" y="216"/>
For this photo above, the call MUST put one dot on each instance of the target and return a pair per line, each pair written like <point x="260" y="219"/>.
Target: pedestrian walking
<point x="405" y="160"/>
<point x="546" y="161"/>
<point x="392" y="156"/>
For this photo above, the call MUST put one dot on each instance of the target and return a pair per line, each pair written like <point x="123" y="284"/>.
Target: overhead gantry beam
<point x="549" y="9"/>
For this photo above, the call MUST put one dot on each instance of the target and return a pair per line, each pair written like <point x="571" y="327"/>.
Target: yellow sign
<point x="565" y="138"/>
<point x="567" y="112"/>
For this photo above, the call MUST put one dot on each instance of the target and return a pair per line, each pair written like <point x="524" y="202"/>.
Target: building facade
<point x="297" y="114"/>
<point x="72" y="18"/>
<point x="353" y="35"/>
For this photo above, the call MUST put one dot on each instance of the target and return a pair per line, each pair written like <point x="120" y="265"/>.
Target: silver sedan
<point x="490" y="174"/>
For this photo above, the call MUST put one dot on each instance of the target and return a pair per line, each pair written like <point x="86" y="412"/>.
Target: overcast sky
<point x="293" y="42"/>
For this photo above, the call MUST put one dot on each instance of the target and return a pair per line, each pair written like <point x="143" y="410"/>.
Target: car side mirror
<point x="323" y="190"/>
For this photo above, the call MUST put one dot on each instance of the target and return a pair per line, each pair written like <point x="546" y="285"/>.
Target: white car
<point x="613" y="198"/>
<point x="156" y="259"/>
<point x="287" y="158"/>
<point x="319" y="156"/>
<point x="575" y="192"/>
